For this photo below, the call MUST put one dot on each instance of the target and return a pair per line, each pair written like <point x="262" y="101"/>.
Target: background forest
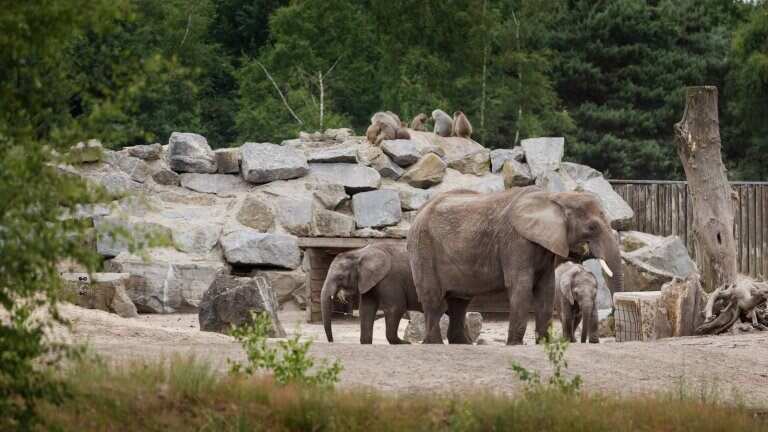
<point x="608" y="75"/>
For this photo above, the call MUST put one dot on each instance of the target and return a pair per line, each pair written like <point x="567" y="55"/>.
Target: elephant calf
<point x="381" y="274"/>
<point x="577" y="289"/>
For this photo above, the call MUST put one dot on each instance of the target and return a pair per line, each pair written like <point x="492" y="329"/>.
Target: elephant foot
<point x="514" y="342"/>
<point x="432" y="340"/>
<point x="399" y="342"/>
<point x="459" y="339"/>
<point x="594" y="340"/>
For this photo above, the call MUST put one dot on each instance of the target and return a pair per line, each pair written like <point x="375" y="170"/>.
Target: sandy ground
<point x="735" y="366"/>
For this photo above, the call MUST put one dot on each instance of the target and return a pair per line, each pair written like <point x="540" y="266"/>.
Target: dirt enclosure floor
<point x="733" y="367"/>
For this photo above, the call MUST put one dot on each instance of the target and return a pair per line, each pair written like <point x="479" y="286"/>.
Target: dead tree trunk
<point x="697" y="137"/>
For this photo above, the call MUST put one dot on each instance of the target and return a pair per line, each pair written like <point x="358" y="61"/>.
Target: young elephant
<point x="381" y="275"/>
<point x="577" y="288"/>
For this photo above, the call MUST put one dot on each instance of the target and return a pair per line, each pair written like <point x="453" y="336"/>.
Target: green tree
<point x="621" y="70"/>
<point x="747" y="88"/>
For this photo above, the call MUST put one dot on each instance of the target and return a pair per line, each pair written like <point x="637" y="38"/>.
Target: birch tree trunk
<point x="697" y="137"/>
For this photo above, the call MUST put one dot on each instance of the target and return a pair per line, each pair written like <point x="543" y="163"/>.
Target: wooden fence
<point x="665" y="208"/>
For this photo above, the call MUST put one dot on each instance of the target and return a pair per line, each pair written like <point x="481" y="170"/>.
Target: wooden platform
<point x="320" y="252"/>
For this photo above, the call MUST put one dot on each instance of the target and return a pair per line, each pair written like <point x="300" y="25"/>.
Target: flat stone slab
<point x="543" y="154"/>
<point x="355" y="178"/>
<point x="376" y="208"/>
<point x="248" y="246"/>
<point x="266" y="162"/>
<point x="190" y="152"/>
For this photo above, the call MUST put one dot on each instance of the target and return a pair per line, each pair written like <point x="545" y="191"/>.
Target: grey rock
<point x="543" y="154"/>
<point x="119" y="184"/>
<point x="327" y="223"/>
<point x="220" y="184"/>
<point x="165" y="176"/>
<point x="342" y="154"/>
<point x="367" y="152"/>
<point x="516" y="174"/>
<point x="102" y="291"/>
<point x="355" y="178"/>
<point x="556" y="181"/>
<point x="196" y="238"/>
<point x="86" y="152"/>
<point x="294" y="215"/>
<point x="256" y="213"/>
<point x="466" y="156"/>
<point x="265" y="162"/>
<point x="397" y="231"/>
<point x="190" y="152"/>
<point x="415" y="330"/>
<point x="284" y="283"/>
<point x="228" y="160"/>
<point x="248" y="246"/>
<point x="329" y="195"/>
<point x="587" y="179"/>
<point x="115" y="234"/>
<point x="651" y="266"/>
<point x="427" y="172"/>
<point x="376" y="208"/>
<point x="368" y="233"/>
<point x="166" y="283"/>
<point x="146" y="152"/>
<point x="499" y="156"/>
<point x="403" y="152"/>
<point x="232" y="300"/>
<point x="386" y="168"/>
<point x="455" y="180"/>
<point x="411" y="198"/>
<point x="136" y="168"/>
<point x="340" y="134"/>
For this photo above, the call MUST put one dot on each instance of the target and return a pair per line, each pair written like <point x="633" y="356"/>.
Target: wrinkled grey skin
<point x="464" y="244"/>
<point x="577" y="291"/>
<point x="381" y="275"/>
<point x="443" y="123"/>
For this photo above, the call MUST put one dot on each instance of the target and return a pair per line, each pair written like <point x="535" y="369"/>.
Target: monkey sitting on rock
<point x="461" y="126"/>
<point x="443" y="123"/>
<point x="381" y="131"/>
<point x="419" y="122"/>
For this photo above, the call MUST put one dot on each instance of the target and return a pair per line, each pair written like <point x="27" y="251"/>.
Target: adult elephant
<point x="463" y="244"/>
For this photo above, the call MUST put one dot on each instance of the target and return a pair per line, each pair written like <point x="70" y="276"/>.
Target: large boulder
<point x="285" y="283"/>
<point x="266" y="162"/>
<point x="220" y="184"/>
<point x="649" y="267"/>
<point x="118" y="184"/>
<point x="166" y="281"/>
<point x="103" y="291"/>
<point x="411" y="198"/>
<point x="327" y="223"/>
<point x="146" y="152"/>
<point x="376" y="208"/>
<point x="415" y="330"/>
<point x="256" y="213"/>
<point x="134" y="167"/>
<point x="166" y="176"/>
<point x="294" y="215"/>
<point x="427" y="172"/>
<point x="116" y="234"/>
<point x="231" y="300"/>
<point x="466" y="156"/>
<point x="190" y="152"/>
<point x="355" y="178"/>
<point x="403" y="152"/>
<point x="329" y="195"/>
<point x="499" y="156"/>
<point x="516" y="174"/>
<point x="228" y="160"/>
<point x="590" y="180"/>
<point x="197" y="238"/>
<point x="543" y="154"/>
<point x="455" y="180"/>
<point x="250" y="247"/>
<point x="386" y="167"/>
<point x="334" y="154"/>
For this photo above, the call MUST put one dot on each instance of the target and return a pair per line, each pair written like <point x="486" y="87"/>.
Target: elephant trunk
<point x="586" y="323"/>
<point x="607" y="249"/>
<point x="326" y="307"/>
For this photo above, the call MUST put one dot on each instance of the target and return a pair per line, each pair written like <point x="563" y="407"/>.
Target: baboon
<point x="380" y="131"/>
<point x="418" y="123"/>
<point x="443" y="123"/>
<point x="461" y="126"/>
<point x="373" y="131"/>
<point x="387" y="118"/>
<point x="386" y="132"/>
<point x="394" y="116"/>
<point x="402" y="133"/>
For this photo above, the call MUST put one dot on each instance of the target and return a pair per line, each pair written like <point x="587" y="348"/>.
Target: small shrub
<point x="288" y="361"/>
<point x="555" y="347"/>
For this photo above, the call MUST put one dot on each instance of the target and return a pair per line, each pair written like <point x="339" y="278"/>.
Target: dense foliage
<point x="607" y="75"/>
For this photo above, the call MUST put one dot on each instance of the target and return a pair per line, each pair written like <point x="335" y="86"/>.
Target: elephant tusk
<point x="605" y="267"/>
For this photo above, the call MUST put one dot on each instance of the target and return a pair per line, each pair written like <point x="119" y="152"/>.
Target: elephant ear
<point x="538" y="218"/>
<point x="373" y="266"/>
<point x="565" y="283"/>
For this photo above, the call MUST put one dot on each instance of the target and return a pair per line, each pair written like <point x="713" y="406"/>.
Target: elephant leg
<point x="368" y="307"/>
<point x="519" y="289"/>
<point x="457" y="312"/>
<point x="432" y="317"/>
<point x="544" y="297"/>
<point x="593" y="327"/>
<point x="392" y="321"/>
<point x="566" y="318"/>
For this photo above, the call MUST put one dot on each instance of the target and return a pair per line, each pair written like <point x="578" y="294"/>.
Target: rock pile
<point x="241" y="210"/>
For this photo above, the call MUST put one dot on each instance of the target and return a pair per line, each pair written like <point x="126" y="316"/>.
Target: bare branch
<point x="280" y="92"/>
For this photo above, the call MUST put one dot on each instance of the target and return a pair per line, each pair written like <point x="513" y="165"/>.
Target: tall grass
<point x="187" y="394"/>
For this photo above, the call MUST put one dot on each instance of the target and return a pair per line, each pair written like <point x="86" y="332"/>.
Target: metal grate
<point x="627" y="320"/>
